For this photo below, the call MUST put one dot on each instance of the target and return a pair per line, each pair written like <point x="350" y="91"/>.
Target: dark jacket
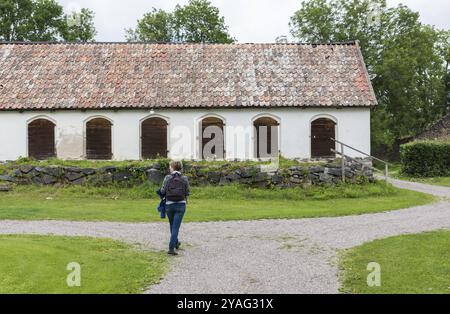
<point x="162" y="205"/>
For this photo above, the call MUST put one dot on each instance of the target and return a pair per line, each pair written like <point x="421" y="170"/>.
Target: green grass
<point x="37" y="264"/>
<point x="418" y="263"/>
<point x="283" y="163"/>
<point x="84" y="163"/>
<point x="206" y="204"/>
<point x="442" y="181"/>
<point x="395" y="172"/>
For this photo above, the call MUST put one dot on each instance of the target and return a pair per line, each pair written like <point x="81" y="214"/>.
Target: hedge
<point x="426" y="158"/>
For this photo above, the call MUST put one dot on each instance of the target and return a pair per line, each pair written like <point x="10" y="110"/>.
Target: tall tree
<point x="15" y="19"/>
<point x="79" y="26"/>
<point x="405" y="59"/>
<point x="155" y="26"/>
<point x="43" y="20"/>
<point x="46" y="21"/>
<point x="198" y="21"/>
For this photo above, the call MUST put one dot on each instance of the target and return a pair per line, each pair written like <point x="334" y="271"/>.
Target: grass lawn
<point x="418" y="263"/>
<point x="442" y="181"/>
<point x="206" y="204"/>
<point x="37" y="264"/>
<point x="395" y="172"/>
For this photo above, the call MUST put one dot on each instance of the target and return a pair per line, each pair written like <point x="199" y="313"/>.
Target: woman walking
<point x="176" y="190"/>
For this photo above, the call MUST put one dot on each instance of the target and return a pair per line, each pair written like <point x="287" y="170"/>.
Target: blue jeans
<point x="175" y="213"/>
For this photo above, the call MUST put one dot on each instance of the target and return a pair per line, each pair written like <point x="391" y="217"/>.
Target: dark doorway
<point x="322" y="132"/>
<point x="153" y="138"/>
<point x="268" y="128"/>
<point x="212" y="132"/>
<point x="41" y="139"/>
<point x="98" y="139"/>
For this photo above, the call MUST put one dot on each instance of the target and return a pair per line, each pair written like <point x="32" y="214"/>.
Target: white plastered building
<point x="130" y="101"/>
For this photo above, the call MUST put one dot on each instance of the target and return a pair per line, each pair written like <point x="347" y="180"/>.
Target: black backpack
<point x="176" y="189"/>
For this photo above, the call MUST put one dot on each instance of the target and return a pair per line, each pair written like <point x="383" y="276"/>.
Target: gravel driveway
<point x="265" y="256"/>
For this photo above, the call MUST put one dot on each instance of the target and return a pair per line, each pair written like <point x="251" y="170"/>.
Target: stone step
<point x="5" y="187"/>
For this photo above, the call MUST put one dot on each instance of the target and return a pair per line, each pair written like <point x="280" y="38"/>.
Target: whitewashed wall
<point x="353" y="127"/>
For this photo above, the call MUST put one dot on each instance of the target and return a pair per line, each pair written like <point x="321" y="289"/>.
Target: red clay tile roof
<point x="144" y="75"/>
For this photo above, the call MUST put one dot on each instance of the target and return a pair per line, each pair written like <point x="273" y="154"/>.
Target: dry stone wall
<point x="327" y="174"/>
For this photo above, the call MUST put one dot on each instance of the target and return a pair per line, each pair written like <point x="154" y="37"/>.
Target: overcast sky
<point x="255" y="21"/>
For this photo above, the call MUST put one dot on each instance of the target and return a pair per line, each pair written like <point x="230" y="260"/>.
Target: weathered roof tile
<point x="144" y="75"/>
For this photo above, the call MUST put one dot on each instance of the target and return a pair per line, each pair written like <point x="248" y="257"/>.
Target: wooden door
<point x="153" y="138"/>
<point x="41" y="139"/>
<point x="322" y="132"/>
<point x="98" y="139"/>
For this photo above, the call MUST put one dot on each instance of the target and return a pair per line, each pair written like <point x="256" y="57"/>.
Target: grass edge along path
<point x="409" y="264"/>
<point x="206" y="204"/>
<point x="38" y="264"/>
<point x="395" y="172"/>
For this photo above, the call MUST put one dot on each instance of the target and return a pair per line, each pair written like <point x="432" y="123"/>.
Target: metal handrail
<point x="361" y="152"/>
<point x="386" y="164"/>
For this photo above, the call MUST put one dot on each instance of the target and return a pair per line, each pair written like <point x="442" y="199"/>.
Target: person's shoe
<point x="178" y="245"/>
<point x="172" y="252"/>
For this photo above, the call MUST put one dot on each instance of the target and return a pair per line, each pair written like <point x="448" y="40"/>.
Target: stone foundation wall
<point x="327" y="174"/>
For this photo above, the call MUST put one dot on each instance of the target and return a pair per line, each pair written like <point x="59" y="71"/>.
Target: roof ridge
<point x="351" y="42"/>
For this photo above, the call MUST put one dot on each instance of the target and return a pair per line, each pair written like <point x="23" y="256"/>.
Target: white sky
<point x="248" y="20"/>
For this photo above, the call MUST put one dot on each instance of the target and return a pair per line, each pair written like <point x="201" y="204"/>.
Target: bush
<point x="426" y="158"/>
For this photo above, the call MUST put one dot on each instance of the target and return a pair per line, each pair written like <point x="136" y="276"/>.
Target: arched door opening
<point x="41" y="139"/>
<point x="212" y="138"/>
<point x="322" y="132"/>
<point x="153" y="138"/>
<point x="98" y="139"/>
<point x="266" y="137"/>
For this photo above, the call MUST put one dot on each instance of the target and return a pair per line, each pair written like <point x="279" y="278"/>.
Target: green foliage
<point x="79" y="26"/>
<point x="416" y="264"/>
<point x="155" y="26"/>
<point x="47" y="20"/>
<point x="315" y="21"/>
<point x="30" y="20"/>
<point x="362" y="180"/>
<point x="43" y="20"/>
<point x="37" y="264"/>
<point x="15" y="21"/>
<point x="197" y="22"/>
<point x="395" y="171"/>
<point x="163" y="162"/>
<point x="84" y="163"/>
<point x="426" y="158"/>
<point x="407" y="61"/>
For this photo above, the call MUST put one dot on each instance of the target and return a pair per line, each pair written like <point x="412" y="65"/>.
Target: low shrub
<point x="426" y="158"/>
<point x="3" y="169"/>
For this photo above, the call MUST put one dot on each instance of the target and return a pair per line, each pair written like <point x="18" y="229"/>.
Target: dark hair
<point x="176" y="165"/>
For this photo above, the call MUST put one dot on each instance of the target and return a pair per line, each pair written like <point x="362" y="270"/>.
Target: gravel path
<point x="265" y="256"/>
<point x="441" y="191"/>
